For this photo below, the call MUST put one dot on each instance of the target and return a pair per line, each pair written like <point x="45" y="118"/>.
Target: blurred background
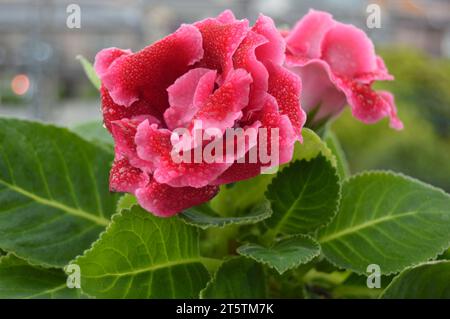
<point x="41" y="78"/>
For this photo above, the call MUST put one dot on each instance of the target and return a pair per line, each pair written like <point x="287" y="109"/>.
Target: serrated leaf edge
<point x="32" y="261"/>
<point x="291" y="266"/>
<point x="397" y="278"/>
<point x="214" y="276"/>
<point x="325" y="151"/>
<point x="246" y="220"/>
<point x="9" y="254"/>
<point x="100" y="237"/>
<point x="406" y="177"/>
<point x="94" y="243"/>
<point x="340" y="184"/>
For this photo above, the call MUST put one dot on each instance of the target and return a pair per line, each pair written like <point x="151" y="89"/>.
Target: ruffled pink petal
<point x="368" y="105"/>
<point x="126" y="178"/>
<point x="306" y="37"/>
<point x="395" y="122"/>
<point x="106" y="57"/>
<point x="226" y="16"/>
<point x="165" y="201"/>
<point x="319" y="89"/>
<point x="188" y="174"/>
<point x="187" y="95"/>
<point x="155" y="145"/>
<point x="204" y="88"/>
<point x="381" y="73"/>
<point x="349" y="51"/>
<point x="270" y="118"/>
<point x="285" y="86"/>
<point x="225" y="105"/>
<point x="113" y="112"/>
<point x="124" y="132"/>
<point x="220" y="41"/>
<point x="245" y="58"/>
<point x="275" y="47"/>
<point x="147" y="73"/>
<point x="323" y="89"/>
<point x="152" y="144"/>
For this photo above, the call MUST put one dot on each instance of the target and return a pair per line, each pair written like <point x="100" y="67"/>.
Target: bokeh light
<point x="20" y="84"/>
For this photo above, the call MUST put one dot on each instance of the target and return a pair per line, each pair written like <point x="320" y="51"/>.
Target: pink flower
<point x="338" y="65"/>
<point x="218" y="71"/>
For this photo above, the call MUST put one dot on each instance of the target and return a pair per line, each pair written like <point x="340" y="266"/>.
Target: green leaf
<point x="231" y="202"/>
<point x="387" y="219"/>
<point x="355" y="287"/>
<point x="126" y="202"/>
<point x="445" y="255"/>
<point x="143" y="256"/>
<point x="20" y="280"/>
<point x="426" y="281"/>
<point x="95" y="132"/>
<point x="205" y="217"/>
<point x="335" y="147"/>
<point x="237" y="278"/>
<point x="304" y="196"/>
<point x="90" y="72"/>
<point x="54" y="195"/>
<point x="312" y="147"/>
<point x="284" y="254"/>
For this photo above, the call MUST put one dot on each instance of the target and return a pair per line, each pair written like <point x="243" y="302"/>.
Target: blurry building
<point x="420" y="24"/>
<point x="35" y="41"/>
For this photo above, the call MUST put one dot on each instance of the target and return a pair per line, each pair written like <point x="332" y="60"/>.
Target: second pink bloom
<point x="338" y="65"/>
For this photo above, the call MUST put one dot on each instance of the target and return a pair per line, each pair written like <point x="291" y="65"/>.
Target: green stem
<point x="268" y="238"/>
<point x="335" y="278"/>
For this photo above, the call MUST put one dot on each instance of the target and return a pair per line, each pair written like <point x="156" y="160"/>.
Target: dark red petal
<point x="165" y="201"/>
<point x="113" y="112"/>
<point x="271" y="118"/>
<point x="285" y="86"/>
<point x="245" y="58"/>
<point x="147" y="73"/>
<point x="126" y="178"/>
<point x="238" y="172"/>
<point x="220" y="41"/>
